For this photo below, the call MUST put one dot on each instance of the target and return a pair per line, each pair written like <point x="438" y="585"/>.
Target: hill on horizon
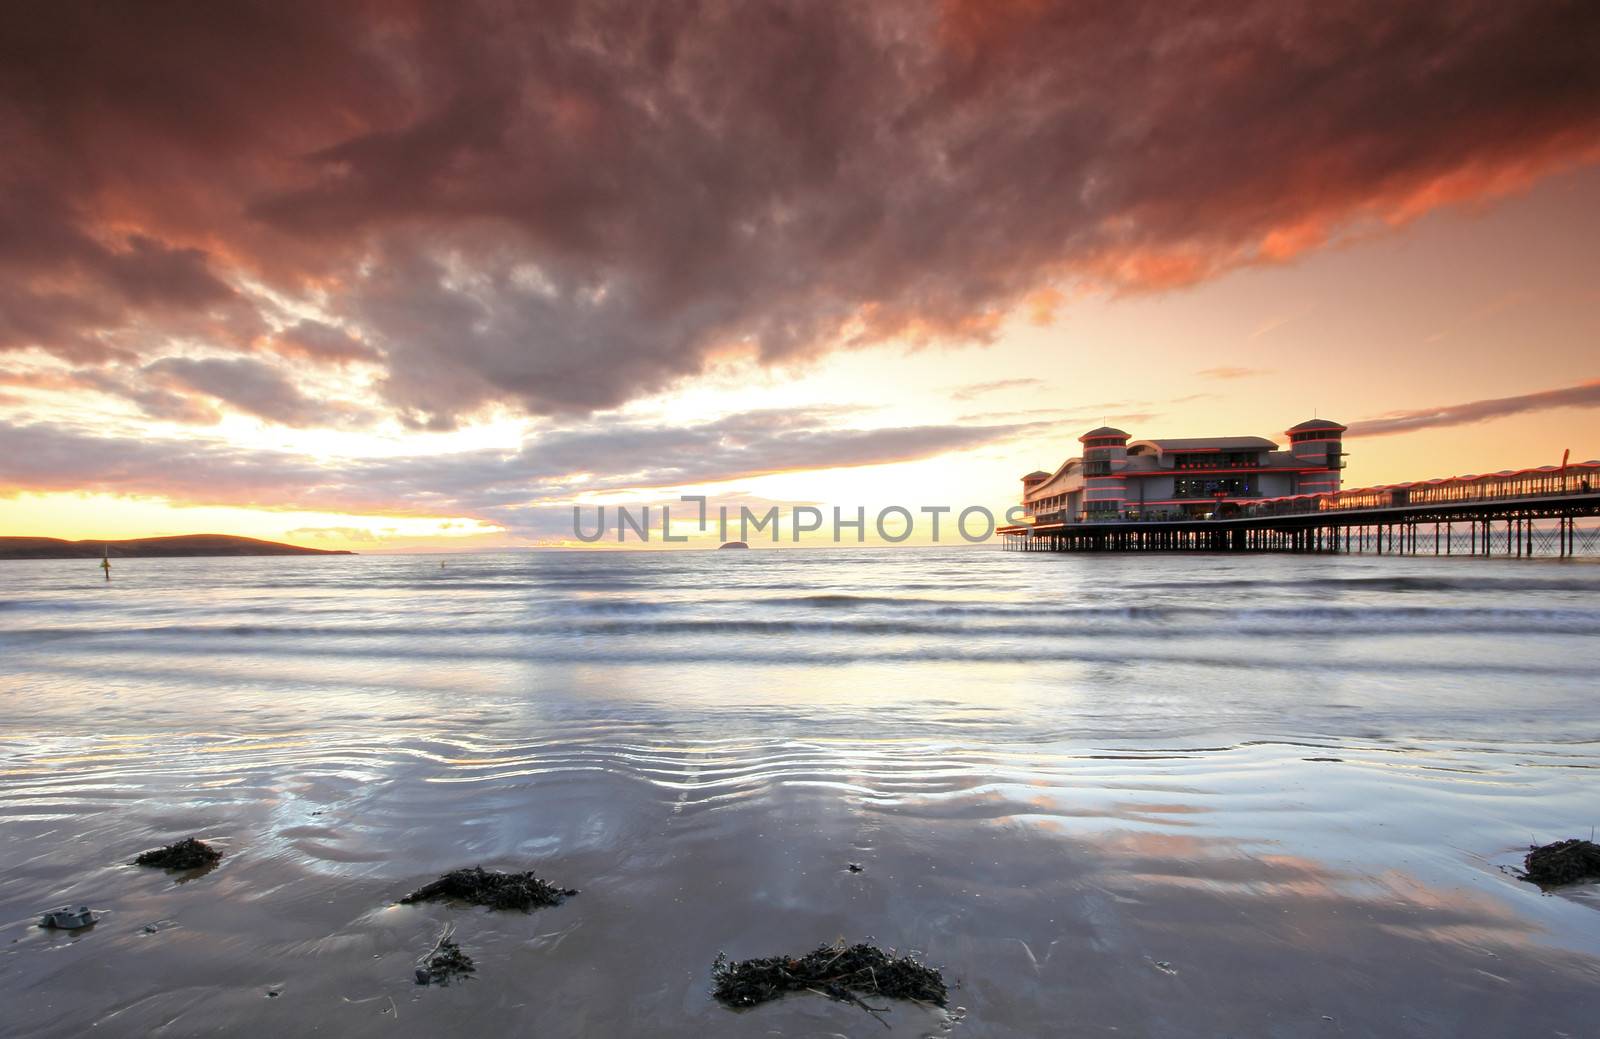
<point x="134" y="548"/>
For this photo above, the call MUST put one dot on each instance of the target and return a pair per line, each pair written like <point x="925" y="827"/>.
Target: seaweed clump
<point x="1563" y="862"/>
<point x="188" y="853"/>
<point x="837" y="971"/>
<point x="445" y="963"/>
<point x="480" y="887"/>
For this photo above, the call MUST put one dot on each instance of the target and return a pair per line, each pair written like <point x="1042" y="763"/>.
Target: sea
<point x="1106" y="795"/>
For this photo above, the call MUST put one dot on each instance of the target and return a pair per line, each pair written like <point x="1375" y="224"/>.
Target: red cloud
<point x="563" y="207"/>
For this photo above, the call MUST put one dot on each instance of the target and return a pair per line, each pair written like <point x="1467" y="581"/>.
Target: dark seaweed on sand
<point x="1563" y="862"/>
<point x="444" y="963"/>
<point x="844" y="973"/>
<point x="481" y="887"/>
<point x="186" y="854"/>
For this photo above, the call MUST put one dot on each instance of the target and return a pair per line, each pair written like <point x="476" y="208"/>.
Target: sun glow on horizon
<point x="93" y="517"/>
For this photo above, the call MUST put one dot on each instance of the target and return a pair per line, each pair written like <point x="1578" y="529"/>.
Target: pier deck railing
<point x="1547" y="482"/>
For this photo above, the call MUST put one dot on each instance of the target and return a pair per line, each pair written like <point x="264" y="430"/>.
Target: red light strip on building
<point x="1247" y="470"/>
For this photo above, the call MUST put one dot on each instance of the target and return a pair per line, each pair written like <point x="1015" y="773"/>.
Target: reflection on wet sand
<point x="1147" y="895"/>
<point x="1085" y="848"/>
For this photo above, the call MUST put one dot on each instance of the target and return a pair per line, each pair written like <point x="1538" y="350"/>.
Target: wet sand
<point x="1210" y="870"/>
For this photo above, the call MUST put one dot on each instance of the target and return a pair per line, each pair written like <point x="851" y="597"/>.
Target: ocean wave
<point x="784" y="653"/>
<point x="925" y="618"/>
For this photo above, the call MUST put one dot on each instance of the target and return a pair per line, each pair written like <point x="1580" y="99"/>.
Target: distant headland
<point x="180" y="545"/>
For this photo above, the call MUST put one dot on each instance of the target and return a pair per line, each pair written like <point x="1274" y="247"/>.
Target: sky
<point x="416" y="276"/>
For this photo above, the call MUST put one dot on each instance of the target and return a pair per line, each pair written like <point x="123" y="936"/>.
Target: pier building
<point x="1222" y="494"/>
<point x="1116" y="477"/>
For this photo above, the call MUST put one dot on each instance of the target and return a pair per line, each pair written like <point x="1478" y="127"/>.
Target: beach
<point x="1140" y="795"/>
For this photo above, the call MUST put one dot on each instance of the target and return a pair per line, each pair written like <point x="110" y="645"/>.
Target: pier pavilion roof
<point x="1213" y="444"/>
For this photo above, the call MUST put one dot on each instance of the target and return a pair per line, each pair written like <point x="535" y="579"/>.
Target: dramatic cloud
<point x="1583" y="395"/>
<point x="563" y="206"/>
<point x="496" y="486"/>
<point x="250" y="386"/>
<point x="321" y="343"/>
<point x="193" y="390"/>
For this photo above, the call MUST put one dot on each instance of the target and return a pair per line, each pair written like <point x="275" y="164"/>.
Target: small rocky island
<point x="733" y="544"/>
<point x="135" y="548"/>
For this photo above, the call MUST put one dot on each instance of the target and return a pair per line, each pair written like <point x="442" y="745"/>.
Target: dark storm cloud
<point x="562" y="206"/>
<point x="1583" y="395"/>
<point x="317" y="341"/>
<point x="494" y="485"/>
<point x="251" y="387"/>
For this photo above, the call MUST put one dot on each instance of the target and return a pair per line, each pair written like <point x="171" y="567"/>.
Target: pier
<point x="1522" y="514"/>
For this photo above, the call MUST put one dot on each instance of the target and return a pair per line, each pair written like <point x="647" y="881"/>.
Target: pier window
<point x="1198" y="487"/>
<point x="1217" y="460"/>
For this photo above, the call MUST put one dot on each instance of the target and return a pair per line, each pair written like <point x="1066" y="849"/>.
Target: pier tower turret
<point x="1030" y="483"/>
<point x="1318" y="447"/>
<point x="1105" y="456"/>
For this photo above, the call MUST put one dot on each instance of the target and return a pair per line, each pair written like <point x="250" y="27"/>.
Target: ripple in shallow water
<point x="1293" y="776"/>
